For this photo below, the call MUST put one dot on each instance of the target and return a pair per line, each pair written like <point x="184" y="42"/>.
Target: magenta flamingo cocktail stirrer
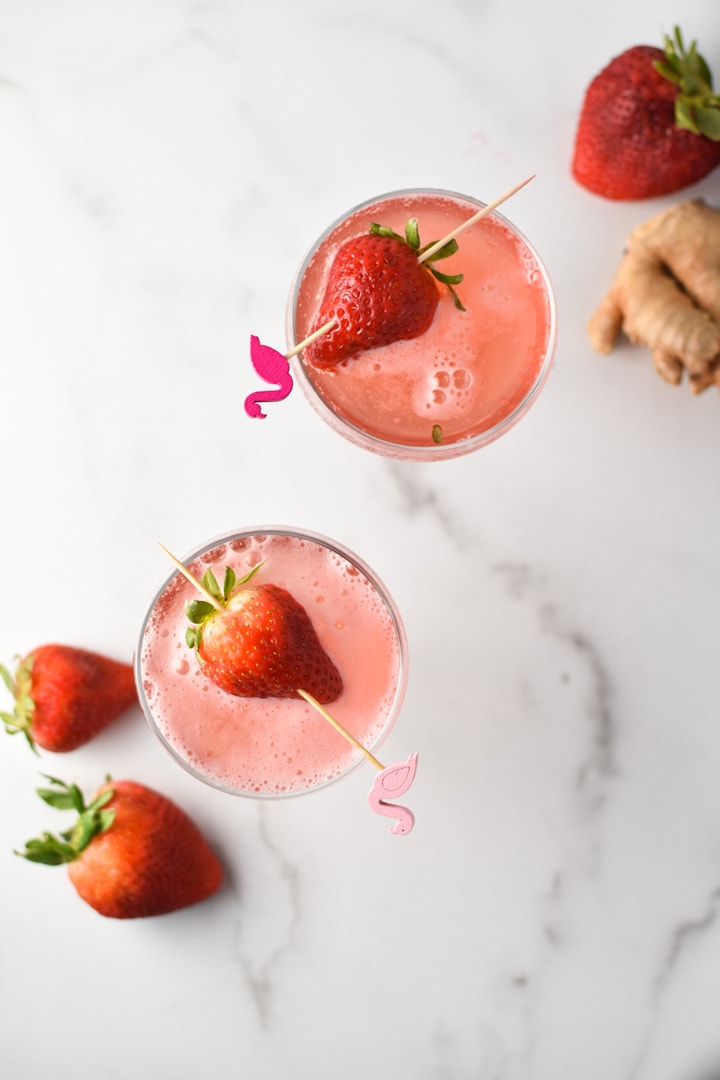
<point x="273" y="367"/>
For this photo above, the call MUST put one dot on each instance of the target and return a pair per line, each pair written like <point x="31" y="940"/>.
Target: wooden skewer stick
<point x="324" y="329"/>
<point x="193" y="580"/>
<point x="472" y="220"/>
<point x="327" y="327"/>
<point x="343" y="731"/>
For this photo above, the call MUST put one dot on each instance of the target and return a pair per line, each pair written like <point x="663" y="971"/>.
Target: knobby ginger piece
<point x="666" y="295"/>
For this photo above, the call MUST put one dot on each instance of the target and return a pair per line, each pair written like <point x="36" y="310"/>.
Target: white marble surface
<point x="556" y="913"/>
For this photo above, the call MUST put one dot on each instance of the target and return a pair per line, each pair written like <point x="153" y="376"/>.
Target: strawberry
<point x="649" y="125"/>
<point x="258" y="641"/>
<point x="65" y="696"/>
<point x="131" y="853"/>
<point x="378" y="292"/>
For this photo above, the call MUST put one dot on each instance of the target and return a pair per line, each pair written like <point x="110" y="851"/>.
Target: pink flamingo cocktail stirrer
<point x="272" y="366"/>
<point x="391" y="782"/>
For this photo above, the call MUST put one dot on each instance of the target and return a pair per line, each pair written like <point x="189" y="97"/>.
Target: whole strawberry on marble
<point x="64" y="696"/>
<point x="131" y="853"/>
<point x="650" y="123"/>
<point x="257" y="640"/>
<point x="378" y="291"/>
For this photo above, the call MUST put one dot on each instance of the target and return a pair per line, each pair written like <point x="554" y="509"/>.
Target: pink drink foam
<point x="274" y="746"/>
<point x="471" y="370"/>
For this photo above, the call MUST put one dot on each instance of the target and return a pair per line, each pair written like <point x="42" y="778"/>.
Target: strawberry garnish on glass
<point x="257" y="640"/>
<point x="379" y="290"/>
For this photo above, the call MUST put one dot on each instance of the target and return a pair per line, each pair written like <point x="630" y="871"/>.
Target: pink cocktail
<point x="273" y="747"/>
<point x="472" y="375"/>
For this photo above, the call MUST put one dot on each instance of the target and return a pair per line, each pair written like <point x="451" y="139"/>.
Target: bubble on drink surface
<point x="530" y="267"/>
<point x="182" y="666"/>
<point x="448" y="388"/>
<point x="215" y="554"/>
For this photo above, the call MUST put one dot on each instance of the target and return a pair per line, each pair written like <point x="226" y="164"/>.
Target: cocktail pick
<point x="391" y="782"/>
<point x="272" y="366"/>
<point x="427" y="254"/>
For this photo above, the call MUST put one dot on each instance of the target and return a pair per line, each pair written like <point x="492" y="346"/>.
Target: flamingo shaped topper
<point x="392" y="781"/>
<point x="273" y="367"/>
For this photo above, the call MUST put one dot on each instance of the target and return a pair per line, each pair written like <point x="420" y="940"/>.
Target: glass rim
<point x="299" y="533"/>
<point x="397" y="450"/>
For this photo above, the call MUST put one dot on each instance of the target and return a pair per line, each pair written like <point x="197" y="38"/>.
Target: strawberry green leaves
<point x="54" y="850"/>
<point x="697" y="107"/>
<point x="20" y="687"/>
<point x="412" y="239"/>
<point x="199" y="611"/>
<point x="64" y="695"/>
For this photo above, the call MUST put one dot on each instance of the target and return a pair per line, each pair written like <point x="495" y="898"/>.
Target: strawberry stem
<point x="216" y="598"/>
<point x="92" y="820"/>
<point x="443" y="251"/>
<point x="697" y="106"/>
<point x="20" y="686"/>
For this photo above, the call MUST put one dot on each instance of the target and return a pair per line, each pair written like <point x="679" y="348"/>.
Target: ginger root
<point x="666" y="295"/>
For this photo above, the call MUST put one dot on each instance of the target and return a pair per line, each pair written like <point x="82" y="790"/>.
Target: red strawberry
<point x="65" y="696"/>
<point x="258" y="641"/>
<point x="131" y="853"/>
<point x="378" y="292"/>
<point x="649" y="125"/>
